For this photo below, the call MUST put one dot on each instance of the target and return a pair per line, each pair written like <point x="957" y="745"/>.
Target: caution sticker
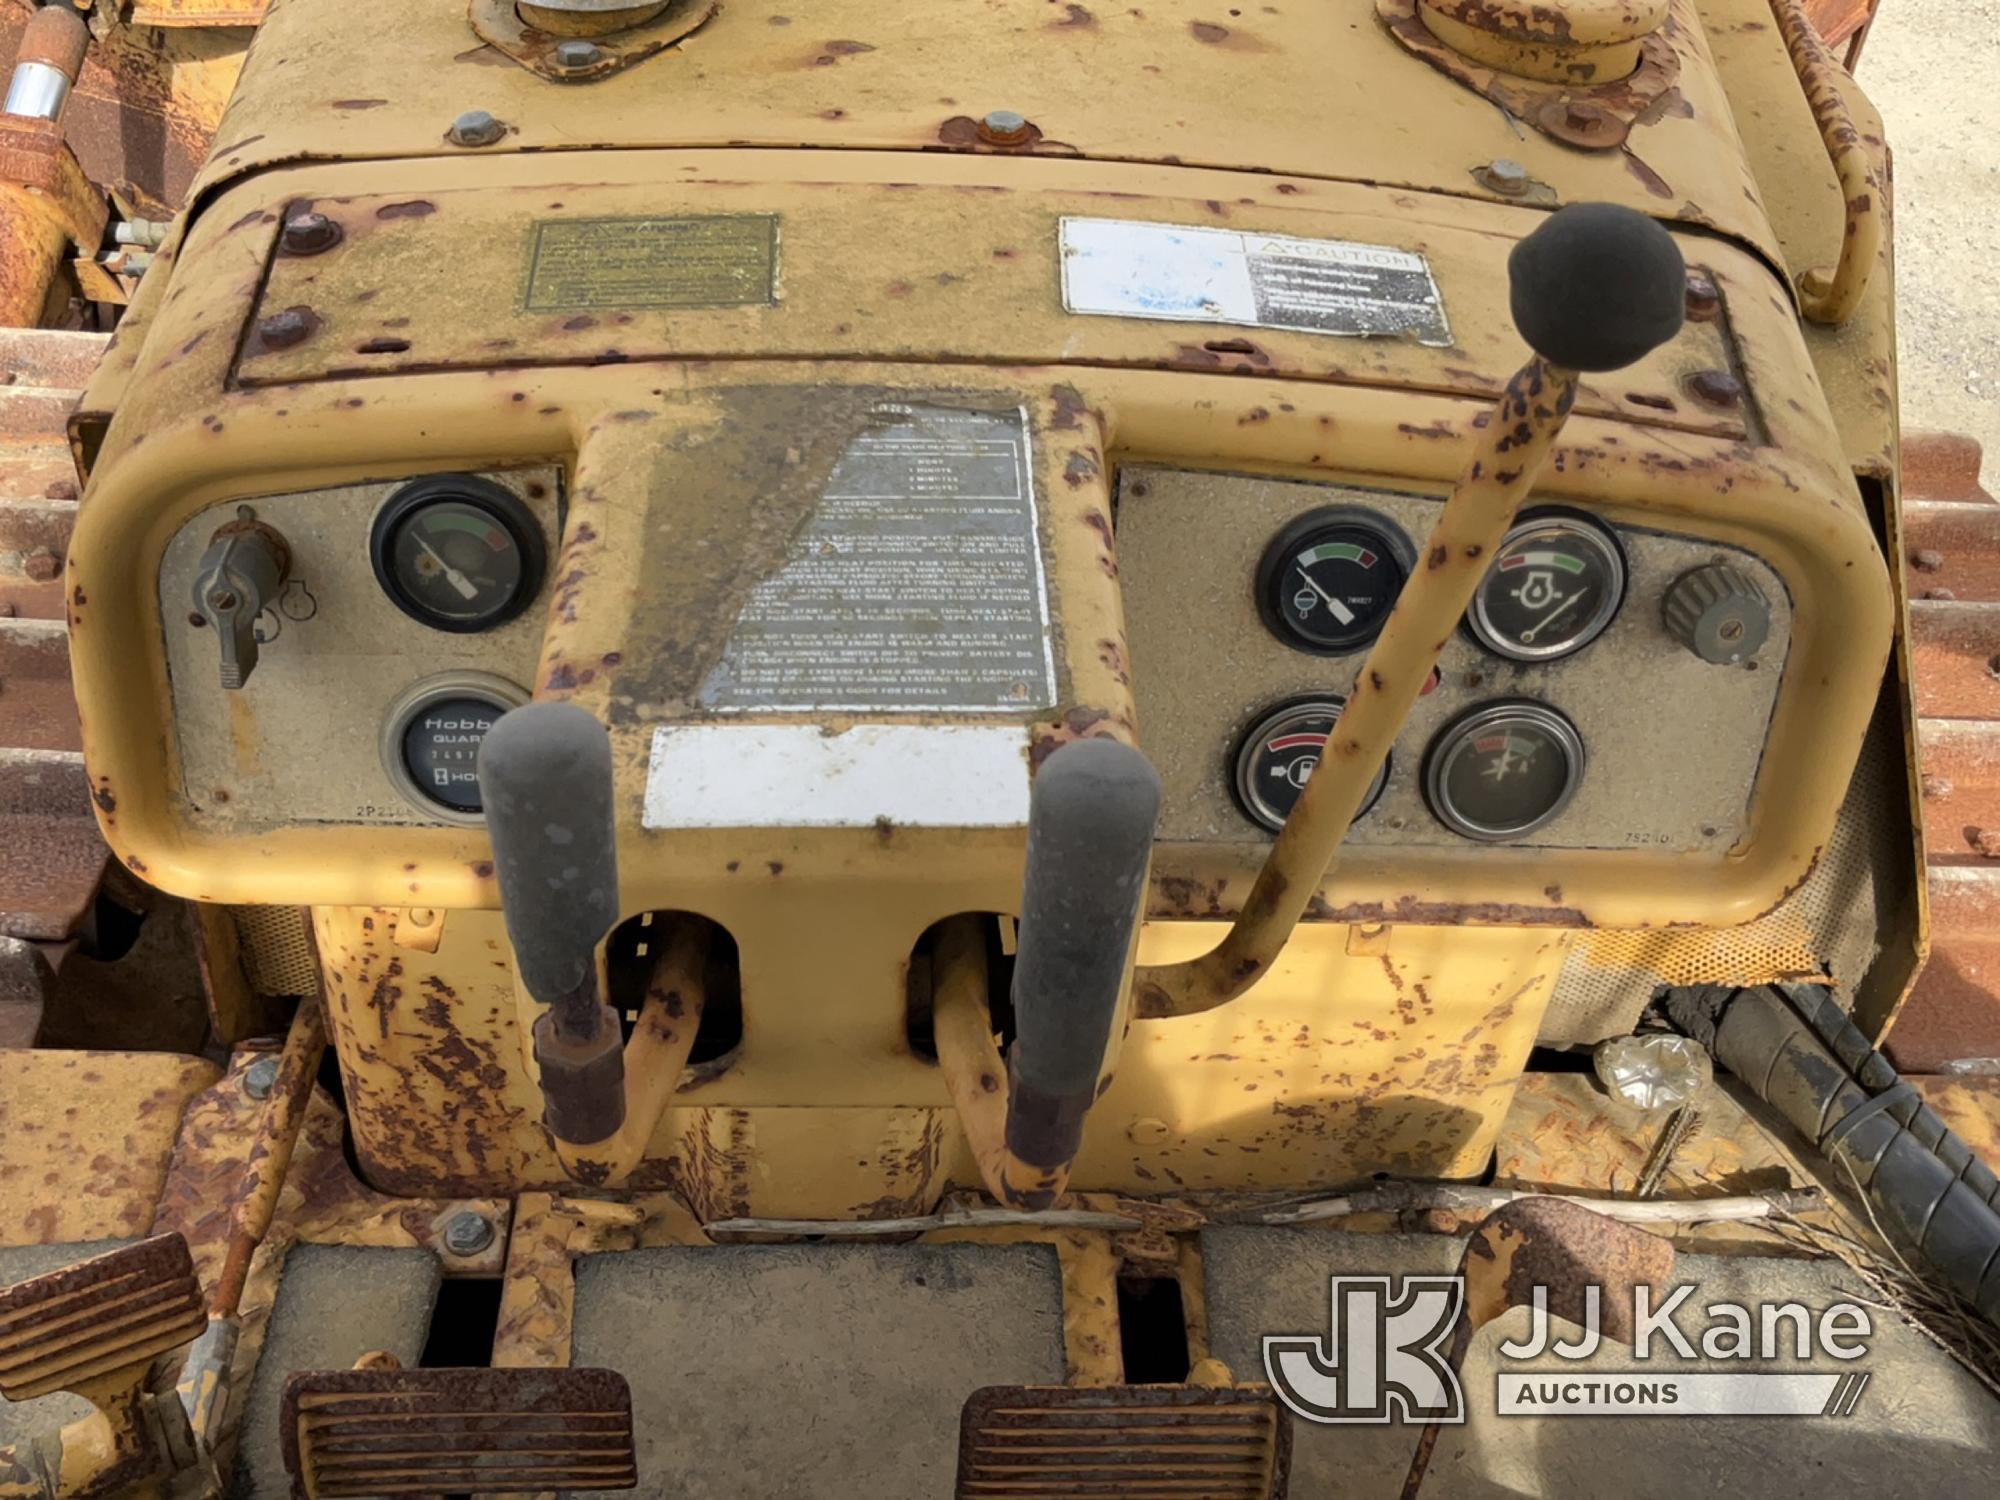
<point x="720" y="260"/>
<point x="1118" y="268"/>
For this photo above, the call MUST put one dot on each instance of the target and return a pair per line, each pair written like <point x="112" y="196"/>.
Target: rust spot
<point x="359" y="103"/>
<point x="1208" y="31"/>
<point x="106" y="802"/>
<point x="383" y="346"/>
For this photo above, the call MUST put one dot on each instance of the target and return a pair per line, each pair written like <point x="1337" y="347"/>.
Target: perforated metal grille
<point x="1829" y="927"/>
<point x="277" y="954"/>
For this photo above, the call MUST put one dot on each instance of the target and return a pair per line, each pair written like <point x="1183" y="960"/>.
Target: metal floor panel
<point x="802" y="1372"/>
<point x="1923" y="1429"/>
<point x="335" y="1304"/>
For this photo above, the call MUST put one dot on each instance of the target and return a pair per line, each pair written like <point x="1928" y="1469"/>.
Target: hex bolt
<point x="574" y="56"/>
<point x="42" y="565"/>
<point x="475" y="128"/>
<point x="1703" y="300"/>
<point x="1715" y="388"/>
<point x="467" y="1233"/>
<point x="283" y="329"/>
<point x="1505" y="176"/>
<point x="261" y="1076"/>
<point x="1003" y="127"/>
<point x="309" y="233"/>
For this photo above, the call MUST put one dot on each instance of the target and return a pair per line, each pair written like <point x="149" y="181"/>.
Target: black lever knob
<point x="1091" y="818"/>
<point x="1597" y="287"/>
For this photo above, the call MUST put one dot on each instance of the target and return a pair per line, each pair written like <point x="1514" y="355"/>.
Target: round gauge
<point x="458" y="552"/>
<point x="1278" y="755"/>
<point x="1503" y="769"/>
<point x="431" y="739"/>
<point x="1555" y="584"/>
<point x="1329" y="580"/>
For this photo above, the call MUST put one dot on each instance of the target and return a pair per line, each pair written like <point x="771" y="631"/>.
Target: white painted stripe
<point x="801" y="776"/>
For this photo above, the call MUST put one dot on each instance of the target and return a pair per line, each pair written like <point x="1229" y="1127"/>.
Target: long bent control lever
<point x="1090" y="840"/>
<point x="1597" y="287"/>
<point x="545" y="781"/>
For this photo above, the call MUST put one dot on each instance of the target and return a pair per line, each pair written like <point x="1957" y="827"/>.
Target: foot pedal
<point x="115" y="1313"/>
<point x="1165" y="1441"/>
<point x="457" y="1432"/>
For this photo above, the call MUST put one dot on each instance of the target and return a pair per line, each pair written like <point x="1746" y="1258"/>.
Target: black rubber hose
<point x="1796" y="1048"/>
<point x="1090" y="837"/>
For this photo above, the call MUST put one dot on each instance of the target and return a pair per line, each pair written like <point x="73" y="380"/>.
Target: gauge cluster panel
<point x="1611" y="686"/>
<point x="402" y="622"/>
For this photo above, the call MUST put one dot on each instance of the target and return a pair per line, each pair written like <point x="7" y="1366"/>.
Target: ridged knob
<point x="1718" y="613"/>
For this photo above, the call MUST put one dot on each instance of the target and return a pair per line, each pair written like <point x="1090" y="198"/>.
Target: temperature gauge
<point x="1329" y="580"/>
<point x="458" y="552"/>
<point x="1503" y="769"/>
<point x="1279" y="753"/>
<point x="1555" y="584"/>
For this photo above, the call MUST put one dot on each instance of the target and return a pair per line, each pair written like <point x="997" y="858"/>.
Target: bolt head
<point x="309" y="233"/>
<point x="261" y="1077"/>
<point x="574" y="55"/>
<point x="475" y="128"/>
<point x="467" y="1233"/>
<point x="283" y="329"/>
<point x="1505" y="176"/>
<point x="1703" y="300"/>
<point x="42" y="565"/>
<point x="1005" y="127"/>
<point x="1715" y="388"/>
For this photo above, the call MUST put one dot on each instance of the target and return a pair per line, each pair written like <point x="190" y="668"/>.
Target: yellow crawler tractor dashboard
<point x="1003" y="622"/>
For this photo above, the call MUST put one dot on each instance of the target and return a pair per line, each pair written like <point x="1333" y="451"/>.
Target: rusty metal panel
<point x="480" y="1432"/>
<point x="51" y="855"/>
<point x="70" y="1327"/>
<point x="37" y="708"/>
<point x="1220" y="1443"/>
<point x="198" y="12"/>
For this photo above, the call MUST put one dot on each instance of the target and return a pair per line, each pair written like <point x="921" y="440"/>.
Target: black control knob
<point x="1597" y="287"/>
<point x="1719" y="613"/>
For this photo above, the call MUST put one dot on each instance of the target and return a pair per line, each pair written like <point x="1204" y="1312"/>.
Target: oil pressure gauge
<point x="1503" y="769"/>
<point x="458" y="552"/>
<point x="1329" y="580"/>
<point x="1276" y="757"/>
<point x="1554" y="586"/>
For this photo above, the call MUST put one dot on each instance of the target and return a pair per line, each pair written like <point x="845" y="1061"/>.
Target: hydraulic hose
<point x="1797" y="1050"/>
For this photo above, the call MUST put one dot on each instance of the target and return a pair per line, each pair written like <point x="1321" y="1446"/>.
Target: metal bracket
<point x="499" y="25"/>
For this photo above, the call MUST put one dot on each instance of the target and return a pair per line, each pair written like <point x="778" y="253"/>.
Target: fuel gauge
<point x="1554" y="586"/>
<point x="1277" y="757"/>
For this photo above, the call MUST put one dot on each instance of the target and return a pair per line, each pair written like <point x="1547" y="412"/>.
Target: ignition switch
<point x="241" y="573"/>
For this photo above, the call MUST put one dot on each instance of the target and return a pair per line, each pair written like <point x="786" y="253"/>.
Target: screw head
<point x="1505" y="176"/>
<point x="309" y="233"/>
<point x="1004" y="127"/>
<point x="1703" y="300"/>
<point x="1715" y="388"/>
<point x="467" y="1233"/>
<point x="572" y="56"/>
<point x="475" y="128"/>
<point x="261" y="1076"/>
<point x="283" y="329"/>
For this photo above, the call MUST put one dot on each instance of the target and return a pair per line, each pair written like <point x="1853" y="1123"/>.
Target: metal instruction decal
<point x="1117" y="268"/>
<point x="721" y="260"/>
<point x="916" y="585"/>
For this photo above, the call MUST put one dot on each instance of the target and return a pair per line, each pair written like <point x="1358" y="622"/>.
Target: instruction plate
<point x="1117" y="268"/>
<point x="916" y="585"/>
<point x="720" y="260"/>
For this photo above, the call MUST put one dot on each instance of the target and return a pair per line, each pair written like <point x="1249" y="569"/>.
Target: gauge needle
<point x="1340" y="611"/>
<point x="1528" y="635"/>
<point x="452" y="576"/>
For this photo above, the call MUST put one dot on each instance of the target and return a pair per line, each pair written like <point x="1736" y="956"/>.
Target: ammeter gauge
<point x="1503" y="769"/>
<point x="458" y="552"/>
<point x="431" y="739"/>
<point x="1275" y="759"/>
<point x="1328" y="581"/>
<point x="1555" y="584"/>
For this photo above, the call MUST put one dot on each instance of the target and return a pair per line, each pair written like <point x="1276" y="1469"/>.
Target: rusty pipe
<point x="655" y="1055"/>
<point x="1595" y="288"/>
<point x="46" y="66"/>
<point x="271" y="1149"/>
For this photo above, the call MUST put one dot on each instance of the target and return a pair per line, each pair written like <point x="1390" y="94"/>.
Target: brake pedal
<point x="460" y="1432"/>
<point x="101" y="1323"/>
<point x="1207" y="1443"/>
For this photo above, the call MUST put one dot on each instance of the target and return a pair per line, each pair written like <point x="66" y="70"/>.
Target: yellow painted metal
<point x="1576" y="43"/>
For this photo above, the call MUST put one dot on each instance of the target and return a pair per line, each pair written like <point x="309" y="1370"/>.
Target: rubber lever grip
<point x="1597" y="287"/>
<point x="1091" y="818"/>
<point x="545" y="783"/>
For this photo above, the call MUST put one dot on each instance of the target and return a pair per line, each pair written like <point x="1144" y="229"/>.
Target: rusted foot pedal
<point x="457" y="1432"/>
<point x="1124" y="1442"/>
<point x="92" y="1327"/>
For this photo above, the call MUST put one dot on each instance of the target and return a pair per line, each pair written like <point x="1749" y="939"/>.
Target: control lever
<point x="545" y="782"/>
<point x="1091" y="818"/>
<point x="1595" y="288"/>
<point x="242" y="572"/>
